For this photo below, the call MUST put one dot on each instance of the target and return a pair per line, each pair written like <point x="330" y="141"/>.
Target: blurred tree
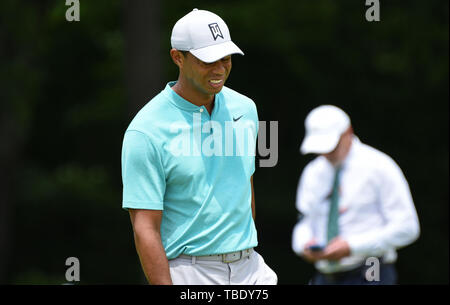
<point x="19" y="88"/>
<point x="144" y="77"/>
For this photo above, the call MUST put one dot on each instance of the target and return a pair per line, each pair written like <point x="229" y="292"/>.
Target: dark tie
<point x="333" y="215"/>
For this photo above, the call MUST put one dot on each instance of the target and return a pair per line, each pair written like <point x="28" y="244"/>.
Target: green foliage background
<point x="63" y="100"/>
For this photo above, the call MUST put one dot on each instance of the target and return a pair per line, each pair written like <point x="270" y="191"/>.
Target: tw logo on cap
<point x="215" y="30"/>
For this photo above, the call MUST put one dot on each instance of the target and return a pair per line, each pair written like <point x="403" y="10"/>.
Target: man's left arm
<point x="401" y="222"/>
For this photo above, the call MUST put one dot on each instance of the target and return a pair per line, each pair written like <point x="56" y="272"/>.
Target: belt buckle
<point x="226" y="261"/>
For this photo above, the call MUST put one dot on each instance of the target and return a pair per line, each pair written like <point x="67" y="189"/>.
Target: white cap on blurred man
<point x="324" y="126"/>
<point x="205" y="35"/>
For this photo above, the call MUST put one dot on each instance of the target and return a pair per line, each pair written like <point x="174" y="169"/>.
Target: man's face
<point x="343" y="147"/>
<point x="207" y="78"/>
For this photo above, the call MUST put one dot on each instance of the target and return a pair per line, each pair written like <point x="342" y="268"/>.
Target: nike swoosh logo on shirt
<point x="235" y="119"/>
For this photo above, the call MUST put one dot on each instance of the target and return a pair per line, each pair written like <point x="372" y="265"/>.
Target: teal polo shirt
<point x="196" y="168"/>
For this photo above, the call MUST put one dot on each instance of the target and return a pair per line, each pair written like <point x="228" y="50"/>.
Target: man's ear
<point x="177" y="57"/>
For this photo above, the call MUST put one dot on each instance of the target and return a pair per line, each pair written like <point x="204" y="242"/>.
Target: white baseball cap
<point x="324" y="126"/>
<point x="205" y="35"/>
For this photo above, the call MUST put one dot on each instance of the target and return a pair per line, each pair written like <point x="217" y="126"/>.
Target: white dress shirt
<point x="376" y="210"/>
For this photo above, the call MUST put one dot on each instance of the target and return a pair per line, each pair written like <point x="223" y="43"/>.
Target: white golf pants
<point x="251" y="270"/>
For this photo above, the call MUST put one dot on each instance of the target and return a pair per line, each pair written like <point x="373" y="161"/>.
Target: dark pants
<point x="388" y="276"/>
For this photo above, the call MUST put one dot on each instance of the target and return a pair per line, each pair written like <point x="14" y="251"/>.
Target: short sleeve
<point x="143" y="174"/>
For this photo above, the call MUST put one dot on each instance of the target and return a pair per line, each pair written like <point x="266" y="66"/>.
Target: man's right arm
<point x="303" y="233"/>
<point x="147" y="237"/>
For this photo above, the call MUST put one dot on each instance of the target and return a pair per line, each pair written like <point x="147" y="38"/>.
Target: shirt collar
<point x="348" y="159"/>
<point x="180" y="102"/>
<point x="355" y="144"/>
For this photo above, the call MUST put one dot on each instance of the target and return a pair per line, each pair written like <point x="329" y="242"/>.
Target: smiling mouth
<point x="216" y="81"/>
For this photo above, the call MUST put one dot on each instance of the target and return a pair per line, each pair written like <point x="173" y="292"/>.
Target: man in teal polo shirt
<point x="188" y="159"/>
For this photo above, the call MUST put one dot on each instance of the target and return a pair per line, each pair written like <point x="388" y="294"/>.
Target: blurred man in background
<point x="355" y="204"/>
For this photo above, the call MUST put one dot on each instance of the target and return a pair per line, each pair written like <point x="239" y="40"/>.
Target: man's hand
<point x="311" y="256"/>
<point x="336" y="249"/>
